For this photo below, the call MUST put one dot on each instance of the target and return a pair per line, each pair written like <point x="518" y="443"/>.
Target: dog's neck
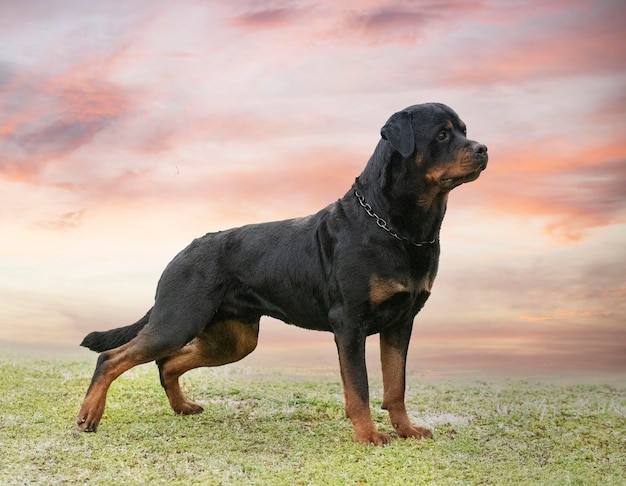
<point x="398" y="193"/>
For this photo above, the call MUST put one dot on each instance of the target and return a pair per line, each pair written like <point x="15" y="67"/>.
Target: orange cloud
<point x="64" y="222"/>
<point x="575" y="192"/>
<point x="565" y="315"/>
<point x="85" y="99"/>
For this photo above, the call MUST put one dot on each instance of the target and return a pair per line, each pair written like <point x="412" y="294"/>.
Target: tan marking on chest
<point x="382" y="289"/>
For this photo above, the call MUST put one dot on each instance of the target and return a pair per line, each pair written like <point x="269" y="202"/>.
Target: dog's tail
<point x="105" y="340"/>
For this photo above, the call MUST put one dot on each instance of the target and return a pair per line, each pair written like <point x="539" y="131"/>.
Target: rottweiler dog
<point x="363" y="265"/>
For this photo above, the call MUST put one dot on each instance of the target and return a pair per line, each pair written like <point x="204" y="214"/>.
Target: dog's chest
<point x="412" y="276"/>
<point x="397" y="294"/>
<point x="394" y="300"/>
<point x="384" y="289"/>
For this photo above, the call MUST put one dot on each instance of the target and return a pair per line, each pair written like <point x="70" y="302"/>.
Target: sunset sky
<point x="129" y="128"/>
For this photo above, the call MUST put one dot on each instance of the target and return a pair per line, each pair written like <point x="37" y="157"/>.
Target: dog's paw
<point x="86" y="426"/>
<point x="188" y="408"/>
<point x="87" y="422"/>
<point x="414" y="431"/>
<point x="374" y="438"/>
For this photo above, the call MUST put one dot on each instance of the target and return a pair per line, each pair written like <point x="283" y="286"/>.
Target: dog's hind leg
<point x="218" y="344"/>
<point x="176" y="319"/>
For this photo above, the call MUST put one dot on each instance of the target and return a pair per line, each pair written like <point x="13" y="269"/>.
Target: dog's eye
<point x="443" y="134"/>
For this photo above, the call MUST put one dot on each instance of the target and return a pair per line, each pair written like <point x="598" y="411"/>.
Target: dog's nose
<point x="480" y="149"/>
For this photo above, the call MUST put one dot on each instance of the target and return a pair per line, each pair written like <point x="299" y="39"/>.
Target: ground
<point x="264" y="426"/>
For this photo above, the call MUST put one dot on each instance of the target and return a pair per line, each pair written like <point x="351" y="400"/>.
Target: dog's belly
<point x="301" y="309"/>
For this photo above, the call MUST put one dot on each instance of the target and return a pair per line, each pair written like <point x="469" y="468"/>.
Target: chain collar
<point x="383" y="224"/>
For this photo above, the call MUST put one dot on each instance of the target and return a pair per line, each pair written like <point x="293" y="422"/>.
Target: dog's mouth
<point x="452" y="182"/>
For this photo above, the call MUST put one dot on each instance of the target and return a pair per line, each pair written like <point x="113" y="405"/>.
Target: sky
<point x="129" y="128"/>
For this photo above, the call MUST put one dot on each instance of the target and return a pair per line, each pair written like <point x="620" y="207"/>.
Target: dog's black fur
<point x="363" y="265"/>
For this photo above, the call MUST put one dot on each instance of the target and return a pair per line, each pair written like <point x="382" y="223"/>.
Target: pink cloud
<point x="84" y="99"/>
<point x="611" y="110"/>
<point x="288" y="189"/>
<point x="373" y="22"/>
<point x="403" y="22"/>
<point x="393" y="17"/>
<point x="318" y="176"/>
<point x="198" y="117"/>
<point x="459" y="349"/>
<point x="585" y="40"/>
<point x="269" y="18"/>
<point x="534" y="344"/>
<point x="51" y="118"/>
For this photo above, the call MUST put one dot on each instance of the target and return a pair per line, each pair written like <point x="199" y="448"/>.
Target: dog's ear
<point x="398" y="131"/>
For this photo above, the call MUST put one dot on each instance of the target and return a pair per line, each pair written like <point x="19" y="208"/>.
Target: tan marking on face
<point x="456" y="167"/>
<point x="382" y="289"/>
<point x="435" y="173"/>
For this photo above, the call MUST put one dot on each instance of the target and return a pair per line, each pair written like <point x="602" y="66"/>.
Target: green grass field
<point x="266" y="427"/>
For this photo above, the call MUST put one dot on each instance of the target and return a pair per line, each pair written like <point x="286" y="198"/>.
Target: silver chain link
<point x="383" y="224"/>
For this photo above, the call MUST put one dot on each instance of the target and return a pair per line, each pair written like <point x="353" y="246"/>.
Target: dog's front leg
<point x="394" y="344"/>
<point x="351" y="348"/>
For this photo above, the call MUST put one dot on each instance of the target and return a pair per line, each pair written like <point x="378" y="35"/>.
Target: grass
<point x="266" y="427"/>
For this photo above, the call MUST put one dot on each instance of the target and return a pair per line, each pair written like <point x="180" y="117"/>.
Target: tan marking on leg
<point x="357" y="404"/>
<point x="170" y="369"/>
<point x="359" y="414"/>
<point x="118" y="361"/>
<point x="394" y="382"/>
<point x="220" y="343"/>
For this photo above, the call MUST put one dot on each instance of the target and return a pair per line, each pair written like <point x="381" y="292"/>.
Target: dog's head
<point x="433" y="137"/>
